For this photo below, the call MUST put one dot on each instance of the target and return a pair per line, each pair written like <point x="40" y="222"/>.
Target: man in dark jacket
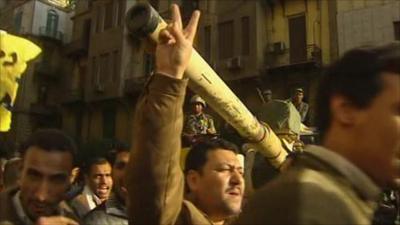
<point x="113" y="210"/>
<point x="48" y="157"/>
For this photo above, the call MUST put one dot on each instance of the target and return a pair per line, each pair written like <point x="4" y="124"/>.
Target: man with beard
<point x="358" y="110"/>
<point x="155" y="179"/>
<point x="113" y="210"/>
<point x="97" y="189"/>
<point x="47" y="162"/>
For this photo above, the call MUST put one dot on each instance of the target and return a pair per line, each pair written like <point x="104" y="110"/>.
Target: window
<point x="52" y="23"/>
<point x="225" y="40"/>
<point x="105" y="68"/>
<point x="207" y="43"/>
<point x="115" y="73"/>
<point x="297" y="39"/>
<point x="397" y="30"/>
<point x="118" y="13"/>
<point x="108" y="17"/>
<point x="109" y="122"/>
<point x="95" y="71"/>
<point x="98" y="19"/>
<point x="18" y="21"/>
<point x="245" y="35"/>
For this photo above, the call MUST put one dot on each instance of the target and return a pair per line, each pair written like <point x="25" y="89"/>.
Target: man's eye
<point x="223" y="169"/>
<point x="33" y="176"/>
<point x="59" y="179"/>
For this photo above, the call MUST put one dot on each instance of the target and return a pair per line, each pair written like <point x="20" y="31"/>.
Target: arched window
<point x="52" y="22"/>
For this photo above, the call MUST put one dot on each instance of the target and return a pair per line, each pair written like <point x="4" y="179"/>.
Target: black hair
<point x="357" y="77"/>
<point x="197" y="156"/>
<point x="94" y="161"/>
<point x="49" y="140"/>
<point x="116" y="148"/>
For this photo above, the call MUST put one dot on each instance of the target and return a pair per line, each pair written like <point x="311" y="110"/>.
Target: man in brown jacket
<point x="359" y="120"/>
<point x="47" y="162"/>
<point x="155" y="179"/>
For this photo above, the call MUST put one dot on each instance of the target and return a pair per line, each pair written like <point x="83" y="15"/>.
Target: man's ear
<point x="343" y="111"/>
<point x="192" y="180"/>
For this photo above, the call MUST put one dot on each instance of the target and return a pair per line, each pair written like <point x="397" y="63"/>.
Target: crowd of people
<point x="338" y="182"/>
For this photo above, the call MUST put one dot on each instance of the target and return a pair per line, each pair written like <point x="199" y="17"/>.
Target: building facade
<point x="275" y="44"/>
<point x="366" y="22"/>
<point x="109" y="70"/>
<point x="48" y="25"/>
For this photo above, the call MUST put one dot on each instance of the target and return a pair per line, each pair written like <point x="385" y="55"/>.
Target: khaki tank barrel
<point x="144" y="22"/>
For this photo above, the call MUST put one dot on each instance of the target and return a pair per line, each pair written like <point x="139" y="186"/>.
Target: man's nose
<point x="103" y="179"/>
<point x="42" y="192"/>
<point x="236" y="178"/>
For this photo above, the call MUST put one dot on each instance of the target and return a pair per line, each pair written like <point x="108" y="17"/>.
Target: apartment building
<point x="109" y="70"/>
<point x="366" y="22"/>
<point x="47" y="24"/>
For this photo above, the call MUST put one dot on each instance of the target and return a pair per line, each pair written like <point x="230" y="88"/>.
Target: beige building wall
<point x="318" y="28"/>
<point x="366" y="22"/>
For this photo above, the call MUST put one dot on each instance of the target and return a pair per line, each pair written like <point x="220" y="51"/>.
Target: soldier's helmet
<point x="198" y="99"/>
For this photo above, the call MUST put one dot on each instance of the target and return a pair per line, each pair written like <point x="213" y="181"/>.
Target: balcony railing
<point x="47" y="70"/>
<point x="278" y="56"/>
<point x="77" y="47"/>
<point x="74" y="95"/>
<point x="54" y="34"/>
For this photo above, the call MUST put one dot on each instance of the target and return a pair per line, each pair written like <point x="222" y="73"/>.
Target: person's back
<point x="315" y="189"/>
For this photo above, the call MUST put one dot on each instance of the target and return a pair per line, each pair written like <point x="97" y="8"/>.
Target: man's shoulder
<point x="304" y="104"/>
<point x="79" y="205"/>
<point x="193" y="215"/>
<point x="79" y="201"/>
<point x="303" y="195"/>
<point x="100" y="216"/>
<point x="7" y="212"/>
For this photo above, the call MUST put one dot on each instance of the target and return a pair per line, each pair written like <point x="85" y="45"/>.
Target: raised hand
<point x="174" y="49"/>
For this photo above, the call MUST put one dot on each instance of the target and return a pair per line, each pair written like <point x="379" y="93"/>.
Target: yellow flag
<point x="15" y="52"/>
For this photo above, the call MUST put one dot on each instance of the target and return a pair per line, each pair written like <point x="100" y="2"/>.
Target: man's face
<point x="298" y="96"/>
<point x="219" y="188"/>
<point x="118" y="173"/>
<point x="379" y="133"/>
<point x="99" y="180"/>
<point x="44" y="180"/>
<point x="198" y="108"/>
<point x="267" y="97"/>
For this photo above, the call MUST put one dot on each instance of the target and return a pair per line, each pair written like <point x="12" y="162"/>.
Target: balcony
<point x="77" y="47"/>
<point x="47" y="70"/>
<point x="39" y="108"/>
<point x="311" y="58"/>
<point x="50" y="33"/>
<point x="73" y="96"/>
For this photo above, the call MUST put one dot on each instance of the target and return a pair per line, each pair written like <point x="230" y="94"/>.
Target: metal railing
<point x="51" y="33"/>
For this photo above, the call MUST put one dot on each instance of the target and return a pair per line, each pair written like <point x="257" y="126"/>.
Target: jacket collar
<point x="360" y="181"/>
<point x="114" y="206"/>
